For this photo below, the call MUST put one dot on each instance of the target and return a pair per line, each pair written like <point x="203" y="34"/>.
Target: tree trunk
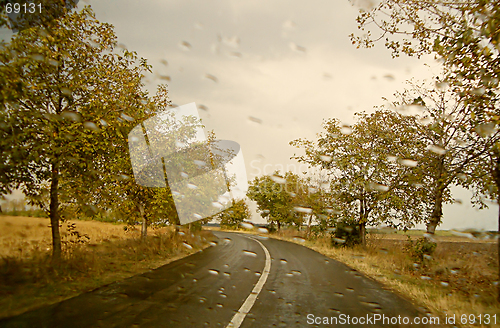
<point x="309" y="226"/>
<point x="144" y="227"/>
<point x="177" y="223"/>
<point x="437" y="211"/>
<point x="362" y="221"/>
<point x="279" y="225"/>
<point x="54" y="212"/>
<point x="362" y="232"/>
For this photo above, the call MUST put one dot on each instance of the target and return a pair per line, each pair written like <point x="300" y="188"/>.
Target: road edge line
<point x="250" y="300"/>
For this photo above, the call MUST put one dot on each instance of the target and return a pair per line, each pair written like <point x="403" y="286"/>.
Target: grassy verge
<point x="459" y="279"/>
<point x="21" y="236"/>
<point x="28" y="280"/>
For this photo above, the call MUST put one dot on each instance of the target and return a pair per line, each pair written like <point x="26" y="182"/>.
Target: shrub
<point x="421" y="249"/>
<point x="195" y="226"/>
<point x="317" y="231"/>
<point x="271" y="228"/>
<point x="346" y="234"/>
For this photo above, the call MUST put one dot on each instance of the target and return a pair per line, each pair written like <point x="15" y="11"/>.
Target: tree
<point x="369" y="186"/>
<point x="310" y="199"/>
<point x="454" y="147"/>
<point x="234" y="215"/>
<point x="202" y="187"/>
<point x="273" y="197"/>
<point x="67" y="98"/>
<point x="170" y="175"/>
<point x="463" y="34"/>
<point x="273" y="201"/>
<point x="140" y="195"/>
<point x="289" y="199"/>
<point x="298" y="208"/>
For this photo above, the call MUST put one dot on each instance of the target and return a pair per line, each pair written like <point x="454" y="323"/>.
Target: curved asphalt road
<point x="208" y="288"/>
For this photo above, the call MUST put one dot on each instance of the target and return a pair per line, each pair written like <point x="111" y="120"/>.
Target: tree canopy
<point x="455" y="147"/>
<point x="464" y="35"/>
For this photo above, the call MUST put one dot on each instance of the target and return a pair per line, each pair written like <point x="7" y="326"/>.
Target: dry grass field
<point x="20" y="236"/>
<point x="110" y="253"/>
<point x="461" y="277"/>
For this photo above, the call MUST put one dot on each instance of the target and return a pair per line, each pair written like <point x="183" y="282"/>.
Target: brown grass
<point x="459" y="278"/>
<point x="29" y="280"/>
<point x="20" y="236"/>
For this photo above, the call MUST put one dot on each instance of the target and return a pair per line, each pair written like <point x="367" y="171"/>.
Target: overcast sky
<point x="268" y="72"/>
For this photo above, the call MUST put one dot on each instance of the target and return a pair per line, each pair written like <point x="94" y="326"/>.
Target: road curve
<point x="231" y="285"/>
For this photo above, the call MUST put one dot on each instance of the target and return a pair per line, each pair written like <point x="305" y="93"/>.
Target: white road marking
<point x="247" y="305"/>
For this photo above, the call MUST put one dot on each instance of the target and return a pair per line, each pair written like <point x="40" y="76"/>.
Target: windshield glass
<point x="238" y="163"/>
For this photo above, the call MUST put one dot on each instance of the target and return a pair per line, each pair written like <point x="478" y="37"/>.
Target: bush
<point x="420" y="250"/>
<point x="272" y="227"/>
<point x="346" y="234"/>
<point x="195" y="226"/>
<point x="317" y="231"/>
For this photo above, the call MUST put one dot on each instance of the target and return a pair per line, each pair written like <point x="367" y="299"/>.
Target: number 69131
<point x="25" y="8"/>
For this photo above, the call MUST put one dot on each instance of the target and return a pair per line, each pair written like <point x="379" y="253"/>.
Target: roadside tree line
<point x="394" y="167"/>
